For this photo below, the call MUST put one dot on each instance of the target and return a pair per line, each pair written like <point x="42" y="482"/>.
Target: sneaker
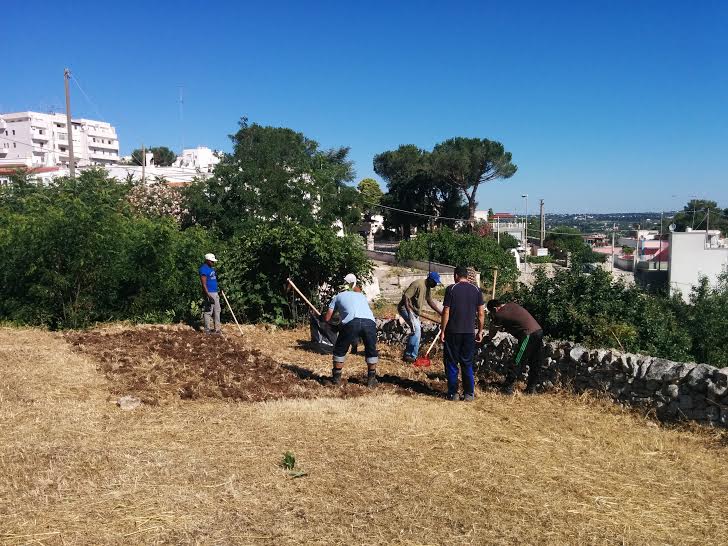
<point x="408" y="359"/>
<point x="372" y="381"/>
<point x="469" y="397"/>
<point x="454" y="397"/>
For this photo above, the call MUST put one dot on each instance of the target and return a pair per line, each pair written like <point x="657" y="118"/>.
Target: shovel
<point x="424" y="361"/>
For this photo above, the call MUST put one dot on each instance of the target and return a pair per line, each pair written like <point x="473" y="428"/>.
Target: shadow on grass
<point x="401" y="383"/>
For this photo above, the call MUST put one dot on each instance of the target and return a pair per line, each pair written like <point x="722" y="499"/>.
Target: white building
<point x="34" y="139"/>
<point x="172" y="176"/>
<point x="695" y="254"/>
<point x="200" y="158"/>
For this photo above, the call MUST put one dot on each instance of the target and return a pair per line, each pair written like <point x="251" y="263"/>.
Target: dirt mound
<point x="161" y="363"/>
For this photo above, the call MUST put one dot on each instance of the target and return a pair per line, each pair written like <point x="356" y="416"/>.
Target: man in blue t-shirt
<point x="463" y="303"/>
<point x="357" y="322"/>
<point x="211" y="306"/>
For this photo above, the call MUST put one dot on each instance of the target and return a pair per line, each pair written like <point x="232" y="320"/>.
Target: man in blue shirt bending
<point x="211" y="307"/>
<point x="357" y="321"/>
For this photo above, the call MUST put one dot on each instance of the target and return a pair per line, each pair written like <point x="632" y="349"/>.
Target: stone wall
<point x="674" y="390"/>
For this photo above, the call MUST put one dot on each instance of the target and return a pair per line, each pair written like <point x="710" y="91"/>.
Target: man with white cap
<point x="357" y="322"/>
<point x="211" y="307"/>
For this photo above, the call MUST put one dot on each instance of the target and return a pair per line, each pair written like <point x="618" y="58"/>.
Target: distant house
<point x="595" y="239"/>
<point x="695" y="254"/>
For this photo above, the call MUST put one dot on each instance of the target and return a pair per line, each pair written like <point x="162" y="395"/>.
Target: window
<point x="40" y="131"/>
<point x="15" y="145"/>
<point x="13" y="132"/>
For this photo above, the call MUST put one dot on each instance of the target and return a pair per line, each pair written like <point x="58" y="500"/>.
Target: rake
<point x="424" y="361"/>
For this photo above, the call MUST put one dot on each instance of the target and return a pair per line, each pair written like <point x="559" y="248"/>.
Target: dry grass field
<point x="384" y="467"/>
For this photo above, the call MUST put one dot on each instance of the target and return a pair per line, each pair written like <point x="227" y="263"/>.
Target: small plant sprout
<point x="289" y="460"/>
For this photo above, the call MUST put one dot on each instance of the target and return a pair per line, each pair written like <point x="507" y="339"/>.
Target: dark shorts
<point x="350" y="333"/>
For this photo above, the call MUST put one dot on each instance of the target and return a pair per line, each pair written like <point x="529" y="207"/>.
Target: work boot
<point x="508" y="389"/>
<point x="336" y="377"/>
<point x="408" y="359"/>
<point x="372" y="380"/>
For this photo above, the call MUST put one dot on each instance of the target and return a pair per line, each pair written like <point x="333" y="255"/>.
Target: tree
<point x="447" y="246"/>
<point x="411" y="186"/>
<point x="162" y="156"/>
<point x="698" y="213"/>
<point x="275" y="175"/>
<point x="468" y="162"/>
<point x="370" y="193"/>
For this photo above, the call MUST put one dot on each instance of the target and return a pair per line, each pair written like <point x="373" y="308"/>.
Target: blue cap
<point x="435" y="276"/>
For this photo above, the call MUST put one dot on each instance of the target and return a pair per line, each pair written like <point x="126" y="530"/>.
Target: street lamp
<point x="525" y="233"/>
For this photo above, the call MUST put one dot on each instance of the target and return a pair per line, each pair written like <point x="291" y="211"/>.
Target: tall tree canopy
<point x="698" y="213"/>
<point x="275" y="175"/>
<point x="412" y="186"/>
<point x="468" y="162"/>
<point x="371" y="194"/>
<point x="163" y="156"/>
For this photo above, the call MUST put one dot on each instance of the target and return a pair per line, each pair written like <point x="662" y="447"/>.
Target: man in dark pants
<point x="357" y="321"/>
<point x="518" y="322"/>
<point x="463" y="302"/>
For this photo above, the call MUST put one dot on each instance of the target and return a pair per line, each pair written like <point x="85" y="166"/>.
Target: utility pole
<point x="525" y="234"/>
<point x="69" y="126"/>
<point x="707" y="226"/>
<point x="614" y="230"/>
<point x="659" y="261"/>
<point x="543" y="224"/>
<point x="144" y="162"/>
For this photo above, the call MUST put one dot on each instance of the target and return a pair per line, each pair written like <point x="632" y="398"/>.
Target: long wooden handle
<point x="495" y="278"/>
<point x="437" y="335"/>
<point x="232" y="312"/>
<point x="304" y="298"/>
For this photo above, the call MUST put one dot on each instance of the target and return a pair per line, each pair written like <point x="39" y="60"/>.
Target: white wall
<point x="201" y="158"/>
<point x="690" y="258"/>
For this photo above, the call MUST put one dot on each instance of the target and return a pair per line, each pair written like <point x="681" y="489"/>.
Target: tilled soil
<point x="158" y="364"/>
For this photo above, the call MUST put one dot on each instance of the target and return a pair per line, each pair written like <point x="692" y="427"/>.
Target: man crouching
<point x="357" y="321"/>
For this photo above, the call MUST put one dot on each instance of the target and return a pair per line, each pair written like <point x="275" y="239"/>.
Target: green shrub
<point x="601" y="313"/>
<point x="452" y="248"/>
<point x="76" y="254"/>
<point x="257" y="263"/>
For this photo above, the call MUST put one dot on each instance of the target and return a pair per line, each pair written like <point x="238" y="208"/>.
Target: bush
<point x="452" y="248"/>
<point x="257" y="263"/>
<point x="77" y="254"/>
<point x="594" y="310"/>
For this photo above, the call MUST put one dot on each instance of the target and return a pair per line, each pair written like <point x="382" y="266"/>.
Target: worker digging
<point x="410" y="308"/>
<point x="357" y="322"/>
<point x="518" y="322"/>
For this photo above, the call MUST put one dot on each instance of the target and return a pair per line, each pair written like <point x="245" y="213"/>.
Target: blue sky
<point x="606" y="106"/>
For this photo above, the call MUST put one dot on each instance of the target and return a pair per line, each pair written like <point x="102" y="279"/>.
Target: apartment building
<point x="34" y="139"/>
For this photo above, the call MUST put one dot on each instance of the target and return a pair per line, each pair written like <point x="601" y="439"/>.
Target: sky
<point x="605" y="105"/>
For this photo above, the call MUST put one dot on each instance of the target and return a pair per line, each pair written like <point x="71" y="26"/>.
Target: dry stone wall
<point x="674" y="390"/>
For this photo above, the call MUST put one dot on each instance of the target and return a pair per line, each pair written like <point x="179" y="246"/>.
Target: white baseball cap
<point x="350" y="279"/>
<point x="211" y="257"/>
